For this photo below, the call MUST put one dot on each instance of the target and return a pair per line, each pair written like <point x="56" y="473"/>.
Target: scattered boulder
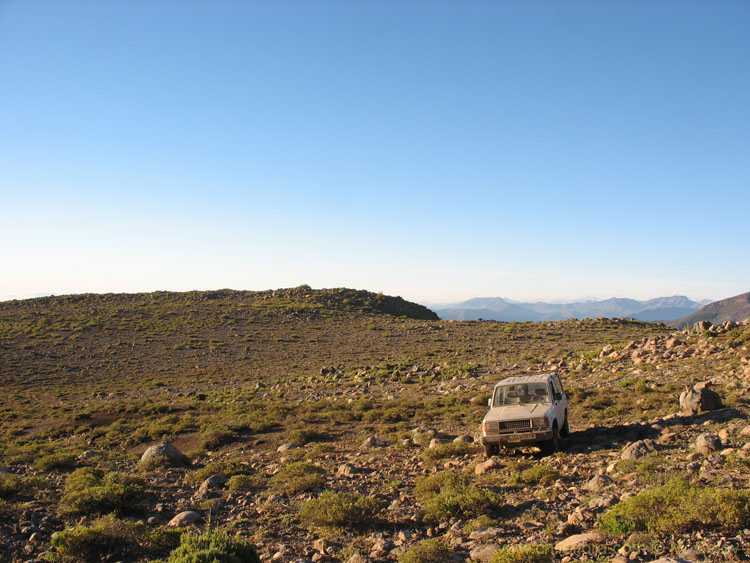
<point x="213" y="483"/>
<point x="286" y="447"/>
<point x="346" y="470"/>
<point x="164" y="450"/>
<point x="373" y="442"/>
<point x="597" y="482"/>
<point x="707" y="443"/>
<point x="638" y="449"/>
<point x="574" y="542"/>
<point x="699" y="399"/>
<point x="483" y="553"/>
<point x="464" y="438"/>
<point x="670" y="560"/>
<point x="486" y="465"/>
<point x="184" y="518"/>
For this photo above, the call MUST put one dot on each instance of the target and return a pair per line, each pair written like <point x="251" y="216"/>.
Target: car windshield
<point x="521" y="394"/>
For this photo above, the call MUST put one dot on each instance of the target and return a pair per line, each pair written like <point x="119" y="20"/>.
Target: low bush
<point x="225" y="468"/>
<point x="12" y="485"/>
<point x="90" y="491"/>
<point x="213" y="547"/>
<point x="432" y="455"/>
<point x="542" y="553"/>
<point x="110" y="538"/>
<point x="302" y="436"/>
<point x="239" y="483"/>
<point x="341" y="510"/>
<point x="60" y="460"/>
<point x="446" y="495"/>
<point x="679" y="506"/>
<point x="533" y="475"/>
<point x="297" y="477"/>
<point x="427" y="551"/>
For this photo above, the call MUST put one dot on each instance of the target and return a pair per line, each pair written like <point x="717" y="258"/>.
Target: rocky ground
<point x="380" y="432"/>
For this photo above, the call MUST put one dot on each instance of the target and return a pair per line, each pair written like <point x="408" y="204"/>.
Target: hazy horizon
<point x="531" y="150"/>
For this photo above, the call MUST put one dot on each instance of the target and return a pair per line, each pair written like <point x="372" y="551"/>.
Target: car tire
<point x="565" y="432"/>
<point x="553" y="445"/>
<point x="491" y="449"/>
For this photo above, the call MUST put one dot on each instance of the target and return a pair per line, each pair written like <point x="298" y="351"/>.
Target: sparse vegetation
<point x="542" y="553"/>
<point x="214" y="546"/>
<point x="679" y="506"/>
<point x="447" y="494"/>
<point x="91" y="491"/>
<point x="341" y="510"/>
<point x="428" y="551"/>
<point x="297" y="477"/>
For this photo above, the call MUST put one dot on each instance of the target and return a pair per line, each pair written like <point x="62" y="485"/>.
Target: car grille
<point x="515" y="424"/>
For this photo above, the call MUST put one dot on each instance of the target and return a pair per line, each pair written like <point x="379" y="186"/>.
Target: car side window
<point x="558" y="384"/>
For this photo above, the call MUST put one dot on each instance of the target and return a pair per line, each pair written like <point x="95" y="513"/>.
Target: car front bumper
<point x="517" y="438"/>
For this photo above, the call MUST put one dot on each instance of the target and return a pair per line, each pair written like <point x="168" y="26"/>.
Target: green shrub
<point x="89" y="491"/>
<point x="446" y="495"/>
<point x="225" y="468"/>
<point x="213" y="547"/>
<point x="432" y="455"/>
<point x="534" y="475"/>
<point x="302" y="436"/>
<point x="110" y="538"/>
<point x="297" y="477"/>
<point x="60" y="460"/>
<point x="679" y="506"/>
<point x="238" y="483"/>
<point x="427" y="551"/>
<point x="12" y="485"/>
<point x="340" y="510"/>
<point x="542" y="553"/>
<point x="214" y="435"/>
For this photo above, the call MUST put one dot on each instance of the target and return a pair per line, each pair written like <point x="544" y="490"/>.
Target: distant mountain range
<point x="735" y="308"/>
<point x="499" y="309"/>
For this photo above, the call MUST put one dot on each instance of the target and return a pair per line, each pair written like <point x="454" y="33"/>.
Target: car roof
<point x="538" y="378"/>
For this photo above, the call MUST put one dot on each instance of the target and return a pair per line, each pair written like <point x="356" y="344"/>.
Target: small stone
<point x="286" y="447"/>
<point x="373" y="442"/>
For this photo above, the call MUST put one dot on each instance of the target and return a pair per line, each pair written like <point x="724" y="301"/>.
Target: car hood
<point x="515" y="412"/>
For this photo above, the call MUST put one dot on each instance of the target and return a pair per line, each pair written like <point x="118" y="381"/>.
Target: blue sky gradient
<point x="435" y="150"/>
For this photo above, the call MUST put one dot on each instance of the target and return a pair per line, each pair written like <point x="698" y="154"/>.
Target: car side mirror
<point x="558" y="396"/>
<point x="489" y="402"/>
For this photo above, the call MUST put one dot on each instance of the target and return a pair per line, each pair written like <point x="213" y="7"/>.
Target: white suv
<point x="525" y="411"/>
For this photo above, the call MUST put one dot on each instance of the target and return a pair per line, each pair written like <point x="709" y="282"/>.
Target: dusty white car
<point x="526" y="410"/>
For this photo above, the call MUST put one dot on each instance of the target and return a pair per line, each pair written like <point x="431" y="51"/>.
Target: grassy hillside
<point x="92" y="380"/>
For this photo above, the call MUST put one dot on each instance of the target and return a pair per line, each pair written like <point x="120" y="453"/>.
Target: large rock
<point x="373" y="442"/>
<point x="486" y="465"/>
<point x="184" y="518"/>
<point x="707" y="443"/>
<point x="597" y="482"/>
<point x="164" y="450"/>
<point x="575" y="542"/>
<point x="213" y="483"/>
<point x="638" y="449"/>
<point x="483" y="553"/>
<point x="699" y="399"/>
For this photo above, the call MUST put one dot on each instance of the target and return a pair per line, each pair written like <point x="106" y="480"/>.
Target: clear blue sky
<point x="434" y="150"/>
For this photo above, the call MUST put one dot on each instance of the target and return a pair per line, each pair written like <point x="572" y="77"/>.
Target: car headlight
<point x="540" y="422"/>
